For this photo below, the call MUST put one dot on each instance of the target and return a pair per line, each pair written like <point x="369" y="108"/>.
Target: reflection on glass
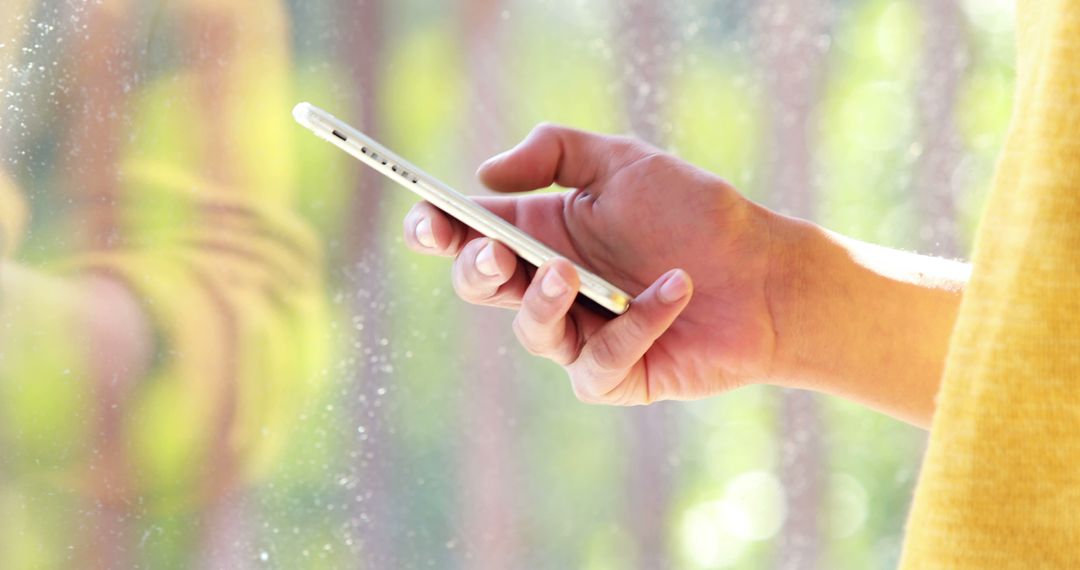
<point x="215" y="353"/>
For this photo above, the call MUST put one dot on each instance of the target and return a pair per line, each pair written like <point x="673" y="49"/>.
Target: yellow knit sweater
<point x="1000" y="487"/>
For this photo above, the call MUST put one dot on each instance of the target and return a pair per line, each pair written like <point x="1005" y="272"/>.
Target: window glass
<point x="282" y="384"/>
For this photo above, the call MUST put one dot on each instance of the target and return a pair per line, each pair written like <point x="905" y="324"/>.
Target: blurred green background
<point x="385" y="424"/>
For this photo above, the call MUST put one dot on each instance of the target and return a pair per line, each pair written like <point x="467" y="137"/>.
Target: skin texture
<point x="727" y="292"/>
<point x="712" y="333"/>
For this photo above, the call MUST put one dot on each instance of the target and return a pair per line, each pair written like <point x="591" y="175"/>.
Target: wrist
<point x="793" y="255"/>
<point x="860" y="321"/>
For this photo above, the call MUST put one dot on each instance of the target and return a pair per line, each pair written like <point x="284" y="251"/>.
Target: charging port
<point x="340" y="136"/>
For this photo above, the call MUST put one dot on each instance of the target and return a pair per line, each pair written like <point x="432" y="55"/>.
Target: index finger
<point x="430" y="230"/>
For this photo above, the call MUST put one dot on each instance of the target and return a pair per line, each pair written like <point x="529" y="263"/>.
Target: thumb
<point x="612" y="352"/>
<point x="551" y="154"/>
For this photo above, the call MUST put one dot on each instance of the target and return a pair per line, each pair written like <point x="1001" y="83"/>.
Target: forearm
<point x="95" y="320"/>
<point x="860" y="321"/>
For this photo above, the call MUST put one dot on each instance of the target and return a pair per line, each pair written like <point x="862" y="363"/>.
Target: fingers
<point x="552" y="154"/>
<point x="428" y="230"/>
<point x="484" y="272"/>
<point x="487" y="273"/>
<point x="613" y="350"/>
<point x="542" y="325"/>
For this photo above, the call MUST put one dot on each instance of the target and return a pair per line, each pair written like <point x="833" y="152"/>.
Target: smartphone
<point x="452" y="202"/>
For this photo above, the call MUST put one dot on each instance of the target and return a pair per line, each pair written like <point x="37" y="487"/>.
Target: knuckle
<point x="525" y="336"/>
<point x="538" y="311"/>
<point x="473" y="295"/>
<point x="618" y="397"/>
<point x="645" y="160"/>
<point x="604" y="353"/>
<point x="546" y="128"/>
<point x="462" y="290"/>
<point x="467" y="286"/>
<point x="631" y="147"/>
<point x="579" y="384"/>
<point x="627" y="397"/>
<point x="635" y="330"/>
<point x="626" y="143"/>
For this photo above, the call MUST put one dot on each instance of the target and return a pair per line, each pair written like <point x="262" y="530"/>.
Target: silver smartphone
<point x="452" y="202"/>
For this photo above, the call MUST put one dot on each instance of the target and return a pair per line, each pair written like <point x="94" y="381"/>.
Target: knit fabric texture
<point x="1000" y="486"/>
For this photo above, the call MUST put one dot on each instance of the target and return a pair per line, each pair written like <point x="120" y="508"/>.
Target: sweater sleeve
<point x="233" y="288"/>
<point x="1000" y="486"/>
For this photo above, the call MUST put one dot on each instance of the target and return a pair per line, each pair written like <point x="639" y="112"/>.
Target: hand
<point x="694" y="251"/>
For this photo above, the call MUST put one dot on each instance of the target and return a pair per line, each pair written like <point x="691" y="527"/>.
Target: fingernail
<point x="675" y="288"/>
<point x="553" y="286"/>
<point x="485" y="260"/>
<point x="424" y="235"/>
